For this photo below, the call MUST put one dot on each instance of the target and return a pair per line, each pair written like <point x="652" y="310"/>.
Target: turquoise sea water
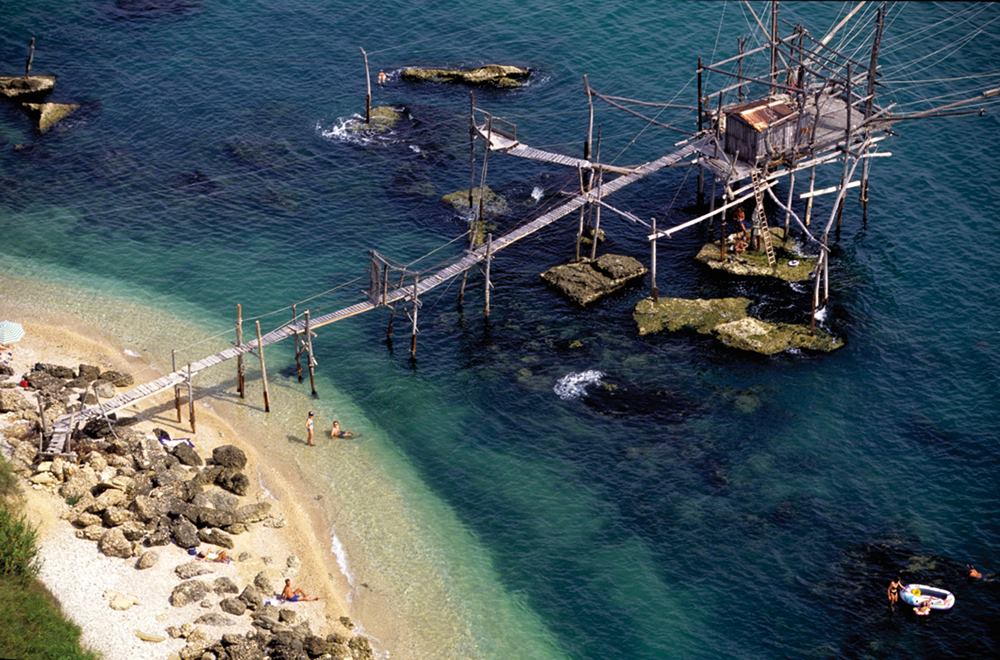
<point x="715" y="504"/>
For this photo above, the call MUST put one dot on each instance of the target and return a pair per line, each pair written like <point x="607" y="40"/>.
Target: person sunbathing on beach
<point x="220" y="556"/>
<point x="294" y="595"/>
<point x="337" y="432"/>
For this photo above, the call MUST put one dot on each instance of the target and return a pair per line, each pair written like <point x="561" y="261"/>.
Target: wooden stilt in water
<point x="368" y="96"/>
<point x="809" y="200"/>
<point x="741" y="44"/>
<point x="263" y="369"/>
<point x="869" y="104"/>
<point x="815" y="300"/>
<point x="597" y="211"/>
<point x="826" y="276"/>
<point x="392" y="314"/>
<point x="298" y="345"/>
<point x="579" y="231"/>
<point x="788" y="209"/>
<point x="413" y="333"/>
<point x="31" y="58"/>
<point x="190" y="388"/>
<point x="653" y="290"/>
<point x="177" y="388"/>
<point x="472" y="146"/>
<point x="774" y="45"/>
<point x="489" y="284"/>
<point x="309" y="356"/>
<point x="847" y="150"/>
<point x="240" y="367"/>
<point x="590" y="118"/>
<point x="701" y="119"/>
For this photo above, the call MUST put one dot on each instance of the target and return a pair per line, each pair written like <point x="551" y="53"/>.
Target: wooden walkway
<point x="506" y="144"/>
<point x="62" y="426"/>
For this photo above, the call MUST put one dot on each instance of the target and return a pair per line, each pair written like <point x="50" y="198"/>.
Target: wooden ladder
<point x="759" y="217"/>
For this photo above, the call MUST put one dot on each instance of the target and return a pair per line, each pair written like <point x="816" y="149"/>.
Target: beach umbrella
<point x="10" y="332"/>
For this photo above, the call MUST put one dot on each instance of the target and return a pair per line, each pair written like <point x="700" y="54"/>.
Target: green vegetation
<point x="33" y="626"/>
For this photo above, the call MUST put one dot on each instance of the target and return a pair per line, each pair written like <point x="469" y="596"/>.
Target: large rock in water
<point x="493" y="204"/>
<point x="497" y="75"/>
<point x="384" y="118"/>
<point x="50" y="114"/>
<point x="695" y="314"/>
<point x="790" y="266"/>
<point x="752" y="334"/>
<point x="583" y="282"/>
<point x="15" y="86"/>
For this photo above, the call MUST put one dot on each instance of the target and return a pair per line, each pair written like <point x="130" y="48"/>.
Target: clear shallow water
<point x="199" y="174"/>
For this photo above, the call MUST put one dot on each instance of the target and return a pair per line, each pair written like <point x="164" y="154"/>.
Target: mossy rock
<point x="50" y="114"/>
<point x="15" y="86"/>
<point x="583" y="282"/>
<point x="700" y="315"/>
<point x="790" y="267"/>
<point x="498" y="75"/>
<point x="384" y="119"/>
<point x="752" y="334"/>
<point x="493" y="204"/>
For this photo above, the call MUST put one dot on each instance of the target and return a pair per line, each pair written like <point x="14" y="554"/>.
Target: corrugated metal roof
<point x="766" y="113"/>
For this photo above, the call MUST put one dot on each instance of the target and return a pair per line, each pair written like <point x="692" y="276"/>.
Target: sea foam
<point x="337" y="548"/>
<point x="574" y="385"/>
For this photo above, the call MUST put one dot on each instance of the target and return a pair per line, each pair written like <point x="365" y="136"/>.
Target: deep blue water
<point x="715" y="504"/>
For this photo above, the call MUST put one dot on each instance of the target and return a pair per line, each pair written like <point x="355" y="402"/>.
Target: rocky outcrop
<point x="14" y="87"/>
<point x="229" y="456"/>
<point x="190" y="591"/>
<point x="496" y="75"/>
<point x="383" y="119"/>
<point x="583" y="282"/>
<point x="696" y="314"/>
<point x="790" y="267"/>
<point x="751" y="334"/>
<point x="114" y="544"/>
<point x="50" y="114"/>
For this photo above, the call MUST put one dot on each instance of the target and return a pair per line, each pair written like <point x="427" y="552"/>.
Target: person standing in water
<point x="893" y="591"/>
<point x="310" y="424"/>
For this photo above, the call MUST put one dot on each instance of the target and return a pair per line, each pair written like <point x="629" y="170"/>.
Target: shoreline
<point x="55" y="341"/>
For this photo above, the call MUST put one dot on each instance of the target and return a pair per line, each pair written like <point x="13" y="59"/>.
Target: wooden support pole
<point x="815" y="298"/>
<point x="788" y="209"/>
<point x="583" y="212"/>
<point x="240" y="367"/>
<point x="309" y="356"/>
<point x="774" y="46"/>
<point x="488" y="285"/>
<point x="826" y="275"/>
<point x="590" y="118"/>
<point x="190" y="397"/>
<point x="413" y="333"/>
<point x="177" y="388"/>
<point x="263" y="369"/>
<point x="812" y="188"/>
<point x="472" y="146"/>
<point x="41" y="419"/>
<point x="368" y="96"/>
<point x="654" y="291"/>
<point x="597" y="212"/>
<point x="30" y="59"/>
<point x="847" y="148"/>
<point x="741" y="43"/>
<point x="869" y="105"/>
<point x="298" y="344"/>
<point x="701" y="122"/>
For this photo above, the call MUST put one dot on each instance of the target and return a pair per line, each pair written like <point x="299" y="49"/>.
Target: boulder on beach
<point x="50" y="114"/>
<point x="700" y="315"/>
<point x="229" y="456"/>
<point x="583" y="282"/>
<point x="190" y="591"/>
<point x="496" y="75"/>
<point x="20" y="86"/>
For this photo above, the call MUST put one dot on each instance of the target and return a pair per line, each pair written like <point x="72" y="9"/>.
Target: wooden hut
<point x="760" y="128"/>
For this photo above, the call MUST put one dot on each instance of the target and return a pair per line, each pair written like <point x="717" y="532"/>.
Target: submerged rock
<point x="384" y="118"/>
<point x="493" y="204"/>
<point x="790" y="266"/>
<point x="751" y="334"/>
<point x="583" y="282"/>
<point x="498" y="75"/>
<point x="700" y="315"/>
<point x="50" y="114"/>
<point x="15" y="86"/>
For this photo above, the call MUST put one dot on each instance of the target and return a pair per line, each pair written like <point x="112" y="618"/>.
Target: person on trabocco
<point x="310" y="424"/>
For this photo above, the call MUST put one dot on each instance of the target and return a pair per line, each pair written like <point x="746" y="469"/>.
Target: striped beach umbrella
<point x="10" y="332"/>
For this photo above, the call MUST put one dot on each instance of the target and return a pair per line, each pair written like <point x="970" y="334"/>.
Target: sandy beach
<point x="85" y="581"/>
